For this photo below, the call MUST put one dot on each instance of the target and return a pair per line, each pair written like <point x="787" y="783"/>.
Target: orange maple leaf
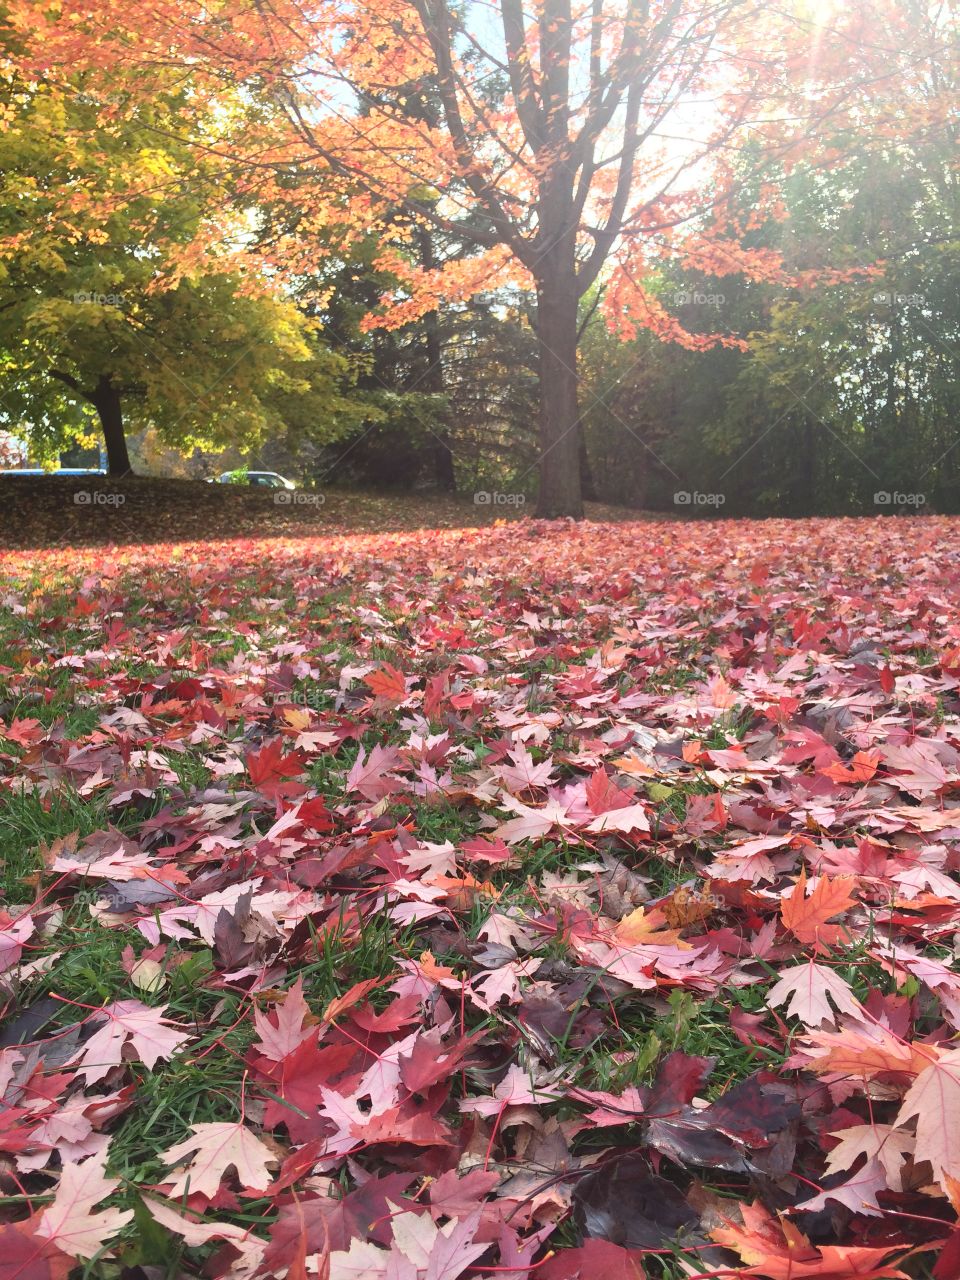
<point x="806" y="917"/>
<point x="646" y="927"/>
<point x="860" y="769"/>
<point x="777" y="1249"/>
<point x="359" y="991"/>
<point x="388" y="683"/>
<point x="463" y="891"/>
<point x="866" y="1051"/>
<point x="296" y="718"/>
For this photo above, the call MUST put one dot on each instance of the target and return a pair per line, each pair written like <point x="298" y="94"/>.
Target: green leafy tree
<point x="97" y="325"/>
<point x="852" y="390"/>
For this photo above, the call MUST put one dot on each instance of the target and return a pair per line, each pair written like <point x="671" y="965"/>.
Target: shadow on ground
<point x="49" y="511"/>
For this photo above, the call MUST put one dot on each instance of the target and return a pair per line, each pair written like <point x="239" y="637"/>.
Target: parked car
<point x="262" y="479"/>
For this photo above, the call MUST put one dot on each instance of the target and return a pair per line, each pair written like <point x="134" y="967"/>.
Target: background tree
<point x="847" y="387"/>
<point x="99" y="315"/>
<point x="454" y="391"/>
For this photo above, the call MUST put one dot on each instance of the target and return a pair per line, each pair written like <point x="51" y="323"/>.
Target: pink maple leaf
<point x="128" y="1023"/>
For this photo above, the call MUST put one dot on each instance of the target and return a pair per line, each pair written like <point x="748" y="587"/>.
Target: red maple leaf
<point x="270" y="768"/>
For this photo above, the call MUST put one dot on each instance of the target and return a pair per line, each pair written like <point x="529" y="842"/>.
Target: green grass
<point x="28" y="822"/>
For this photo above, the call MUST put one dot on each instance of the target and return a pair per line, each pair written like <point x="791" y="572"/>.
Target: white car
<point x="261" y="479"/>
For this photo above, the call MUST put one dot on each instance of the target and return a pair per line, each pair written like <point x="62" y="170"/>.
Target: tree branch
<point x="435" y="17"/>
<point x="70" y="381"/>
<point x="529" y="110"/>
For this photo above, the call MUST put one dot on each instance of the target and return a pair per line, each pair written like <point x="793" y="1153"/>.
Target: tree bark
<point x="433" y="381"/>
<point x="560" y="489"/>
<point x="106" y="400"/>
<point x="588" y="486"/>
<point x="444" y="473"/>
<point x="443" y="465"/>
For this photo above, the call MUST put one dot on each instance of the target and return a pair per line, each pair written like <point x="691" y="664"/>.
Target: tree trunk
<point x="443" y="470"/>
<point x="560" y="491"/>
<point x="443" y="465"/>
<point x="106" y="401"/>
<point x="588" y="486"/>
<point x="444" y="473"/>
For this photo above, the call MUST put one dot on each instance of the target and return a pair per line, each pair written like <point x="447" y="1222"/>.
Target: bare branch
<point x="525" y="92"/>
<point x="435" y="17"/>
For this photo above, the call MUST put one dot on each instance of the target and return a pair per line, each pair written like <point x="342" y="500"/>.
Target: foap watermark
<point x="298" y="498"/>
<point x="687" y="896"/>
<point x="698" y="298"/>
<point x="686" y="498"/>
<point x="100" y="299"/>
<point x="107" y="894"/>
<point x="316" y="699"/>
<point x="884" y="498"/>
<point x="486" y="498"/>
<point x="98" y="498"/>
<point x="894" y="299"/>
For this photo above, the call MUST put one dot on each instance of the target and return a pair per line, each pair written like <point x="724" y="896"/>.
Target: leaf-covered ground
<point x="537" y="901"/>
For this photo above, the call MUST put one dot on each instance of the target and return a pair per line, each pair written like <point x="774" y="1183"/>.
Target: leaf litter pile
<point x="537" y="901"/>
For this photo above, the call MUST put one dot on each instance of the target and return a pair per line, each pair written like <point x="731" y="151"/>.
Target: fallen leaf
<point x="213" y="1149"/>
<point x="806" y="915"/>
<point x="128" y="1023"/>
<point x="809" y="990"/>
<point x="70" y="1222"/>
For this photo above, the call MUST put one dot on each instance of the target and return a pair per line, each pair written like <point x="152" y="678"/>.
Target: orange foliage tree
<point x="570" y="142"/>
